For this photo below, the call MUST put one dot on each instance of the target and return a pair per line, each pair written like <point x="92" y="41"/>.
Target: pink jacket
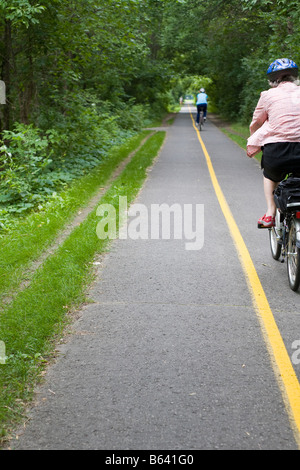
<point x="276" y="117"/>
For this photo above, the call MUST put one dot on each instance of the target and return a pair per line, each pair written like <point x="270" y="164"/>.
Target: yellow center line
<point x="283" y="368"/>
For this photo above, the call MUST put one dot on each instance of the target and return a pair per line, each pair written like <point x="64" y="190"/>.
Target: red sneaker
<point x="266" y="222"/>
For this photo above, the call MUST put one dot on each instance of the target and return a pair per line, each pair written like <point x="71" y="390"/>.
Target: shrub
<point x="25" y="157"/>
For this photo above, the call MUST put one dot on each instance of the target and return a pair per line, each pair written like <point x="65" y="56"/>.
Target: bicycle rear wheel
<point x="293" y="258"/>
<point x="201" y="122"/>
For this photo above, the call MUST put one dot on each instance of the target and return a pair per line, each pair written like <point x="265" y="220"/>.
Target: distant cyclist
<point x="201" y="103"/>
<point x="275" y="129"/>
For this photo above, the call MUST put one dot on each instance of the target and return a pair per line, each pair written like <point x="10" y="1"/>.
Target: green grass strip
<point x="241" y="139"/>
<point x="33" y="320"/>
<point x="35" y="233"/>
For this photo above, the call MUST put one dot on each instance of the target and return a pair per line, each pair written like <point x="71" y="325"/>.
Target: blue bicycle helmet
<point x="281" y="67"/>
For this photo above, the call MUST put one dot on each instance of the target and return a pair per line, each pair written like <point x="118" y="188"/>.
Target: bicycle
<point x="285" y="235"/>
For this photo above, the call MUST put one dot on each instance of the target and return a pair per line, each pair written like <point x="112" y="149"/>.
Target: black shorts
<point x="279" y="159"/>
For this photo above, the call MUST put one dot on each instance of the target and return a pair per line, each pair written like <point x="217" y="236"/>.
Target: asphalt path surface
<point x="170" y="354"/>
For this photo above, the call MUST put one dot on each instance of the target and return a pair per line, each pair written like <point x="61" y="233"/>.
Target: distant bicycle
<point x="285" y="235"/>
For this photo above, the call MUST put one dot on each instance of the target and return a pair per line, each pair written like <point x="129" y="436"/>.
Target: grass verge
<point x="239" y="133"/>
<point x="32" y="235"/>
<point x="32" y="323"/>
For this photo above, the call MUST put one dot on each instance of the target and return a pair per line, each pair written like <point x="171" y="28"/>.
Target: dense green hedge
<point x="36" y="164"/>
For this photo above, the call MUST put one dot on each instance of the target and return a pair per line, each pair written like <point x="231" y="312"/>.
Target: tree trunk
<point x="26" y="96"/>
<point x="6" y="72"/>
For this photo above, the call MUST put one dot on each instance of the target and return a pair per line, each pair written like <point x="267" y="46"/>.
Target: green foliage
<point x="232" y="42"/>
<point x="20" y="11"/>
<point x="82" y="80"/>
<point x="24" y="160"/>
<point x="35" y="164"/>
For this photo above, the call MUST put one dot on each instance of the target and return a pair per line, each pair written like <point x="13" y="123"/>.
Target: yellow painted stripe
<point x="280" y="359"/>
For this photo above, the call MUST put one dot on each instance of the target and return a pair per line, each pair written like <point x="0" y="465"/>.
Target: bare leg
<point x="269" y="188"/>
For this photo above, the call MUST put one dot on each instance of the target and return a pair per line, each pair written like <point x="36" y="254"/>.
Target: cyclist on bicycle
<point x="201" y="103"/>
<point x="275" y="129"/>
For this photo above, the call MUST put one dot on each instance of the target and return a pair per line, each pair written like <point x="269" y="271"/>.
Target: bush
<point x="37" y="162"/>
<point x="25" y="157"/>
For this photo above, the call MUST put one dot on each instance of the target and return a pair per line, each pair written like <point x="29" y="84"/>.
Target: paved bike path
<point x="170" y="354"/>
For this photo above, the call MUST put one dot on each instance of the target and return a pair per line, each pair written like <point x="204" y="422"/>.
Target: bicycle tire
<point x="274" y="244"/>
<point x="201" y="122"/>
<point x="293" y="258"/>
